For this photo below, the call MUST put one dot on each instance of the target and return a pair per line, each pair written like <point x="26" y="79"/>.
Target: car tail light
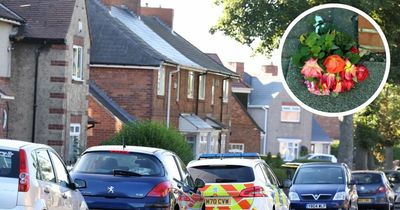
<point x="161" y="190"/>
<point x="381" y="189"/>
<point x="23" y="184"/>
<point x="255" y="191"/>
<point x="119" y="151"/>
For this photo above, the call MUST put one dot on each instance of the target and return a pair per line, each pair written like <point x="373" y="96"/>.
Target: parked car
<point x="374" y="190"/>
<point x="238" y="181"/>
<point x="323" y="157"/>
<point x="323" y="186"/>
<point x="394" y="178"/>
<point x="33" y="176"/>
<point x="131" y="177"/>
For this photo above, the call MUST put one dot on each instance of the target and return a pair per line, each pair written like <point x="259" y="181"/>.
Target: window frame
<point x="78" y="69"/>
<point x="213" y="91"/>
<point x="161" y="81"/>
<point x="40" y="170"/>
<point x="291" y="108"/>
<point x="236" y="144"/>
<point x="74" y="134"/>
<point x="190" y="85"/>
<point x="202" y="86"/>
<point x="225" y="91"/>
<point x="54" y="155"/>
<point x="295" y="144"/>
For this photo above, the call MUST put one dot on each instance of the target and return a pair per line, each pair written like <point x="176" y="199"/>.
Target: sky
<point x="193" y="20"/>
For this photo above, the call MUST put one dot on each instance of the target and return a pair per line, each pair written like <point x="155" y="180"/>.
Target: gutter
<point x="178" y="69"/>
<point x="37" y="55"/>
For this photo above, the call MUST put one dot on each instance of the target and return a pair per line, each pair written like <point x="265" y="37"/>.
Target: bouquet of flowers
<point x="330" y="60"/>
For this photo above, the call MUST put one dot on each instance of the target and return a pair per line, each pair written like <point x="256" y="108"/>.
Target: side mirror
<point x="287" y="183"/>
<point x="199" y="183"/>
<point x="79" y="183"/>
<point x="352" y="182"/>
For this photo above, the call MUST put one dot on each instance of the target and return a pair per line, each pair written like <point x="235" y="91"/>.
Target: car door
<point x="174" y="175"/>
<point x="284" y="201"/>
<point x="70" y="198"/>
<point x="46" y="177"/>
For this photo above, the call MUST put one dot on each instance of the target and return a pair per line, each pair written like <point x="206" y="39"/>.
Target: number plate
<point x="364" y="200"/>
<point x="218" y="202"/>
<point x="316" y="206"/>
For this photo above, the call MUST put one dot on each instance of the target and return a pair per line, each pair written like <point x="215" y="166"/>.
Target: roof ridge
<point x="12" y="12"/>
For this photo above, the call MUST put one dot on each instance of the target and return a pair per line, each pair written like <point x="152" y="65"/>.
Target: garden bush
<point x="153" y="134"/>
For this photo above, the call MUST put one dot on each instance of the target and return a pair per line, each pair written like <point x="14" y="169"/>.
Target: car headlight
<point x="293" y="196"/>
<point x="339" y="196"/>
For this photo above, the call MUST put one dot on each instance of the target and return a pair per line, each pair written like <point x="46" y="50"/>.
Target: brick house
<point x="9" y="22"/>
<point x="49" y="73"/>
<point x="288" y="127"/>
<point x="152" y="73"/>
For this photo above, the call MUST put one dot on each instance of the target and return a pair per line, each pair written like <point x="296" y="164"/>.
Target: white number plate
<point x="316" y="206"/>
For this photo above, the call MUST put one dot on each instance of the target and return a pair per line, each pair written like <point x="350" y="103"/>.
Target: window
<point x="9" y="163"/>
<point x="61" y="171"/>
<point x="289" y="148"/>
<point x="290" y="114"/>
<point x="191" y="140"/>
<point x="325" y="148"/>
<point x="77" y="71"/>
<point x="45" y="166"/>
<point x="161" y="82"/>
<point x="202" y="87"/>
<point x="234" y="147"/>
<point x="74" y="141"/>
<point x="226" y="91"/>
<point x="190" y="84"/>
<point x="172" y="167"/>
<point x="212" y="91"/>
<point x="223" y="173"/>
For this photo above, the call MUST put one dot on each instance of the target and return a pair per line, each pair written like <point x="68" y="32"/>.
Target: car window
<point x="320" y="175"/>
<point x="261" y="173"/>
<point x="185" y="173"/>
<point x="271" y="175"/>
<point x="61" y="171"/>
<point x="45" y="167"/>
<point x="367" y="178"/>
<point x="173" y="167"/>
<point x="9" y="163"/>
<point x="393" y="177"/>
<point x="221" y="174"/>
<point x="105" y="162"/>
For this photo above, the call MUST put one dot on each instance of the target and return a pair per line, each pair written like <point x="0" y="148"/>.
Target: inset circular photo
<point x="335" y="60"/>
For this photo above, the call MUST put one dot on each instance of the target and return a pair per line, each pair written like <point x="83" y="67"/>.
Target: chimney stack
<point x="133" y="5"/>
<point x="271" y="69"/>
<point x="238" y="67"/>
<point x="166" y="15"/>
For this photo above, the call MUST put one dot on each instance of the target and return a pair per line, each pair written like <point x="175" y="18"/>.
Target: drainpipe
<point x="37" y="55"/>
<point x="265" y="108"/>
<point x="178" y="69"/>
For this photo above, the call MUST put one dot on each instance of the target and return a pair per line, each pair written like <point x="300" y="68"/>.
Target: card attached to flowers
<point x="330" y="60"/>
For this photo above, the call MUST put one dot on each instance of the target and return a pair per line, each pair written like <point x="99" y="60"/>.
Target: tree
<point x="153" y="134"/>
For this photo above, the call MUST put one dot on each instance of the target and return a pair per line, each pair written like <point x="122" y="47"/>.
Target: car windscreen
<point x="319" y="175"/>
<point x="221" y="174"/>
<point x="9" y="163"/>
<point x="124" y="162"/>
<point x="367" y="178"/>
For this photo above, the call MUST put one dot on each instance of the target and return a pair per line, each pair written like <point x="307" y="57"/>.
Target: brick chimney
<point x="238" y="67"/>
<point x="270" y="69"/>
<point x="133" y="5"/>
<point x="166" y="15"/>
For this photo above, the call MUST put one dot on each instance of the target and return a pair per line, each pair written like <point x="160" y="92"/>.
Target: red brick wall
<point x="166" y="15"/>
<point x="132" y="89"/>
<point x="368" y="37"/>
<point x="107" y="125"/>
<point x="243" y="129"/>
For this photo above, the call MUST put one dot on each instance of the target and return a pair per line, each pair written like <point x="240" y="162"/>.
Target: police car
<point x="238" y="181"/>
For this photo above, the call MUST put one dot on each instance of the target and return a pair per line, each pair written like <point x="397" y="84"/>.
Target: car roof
<point x="226" y="161"/>
<point x="320" y="154"/>
<point x="323" y="164"/>
<point x="367" y="172"/>
<point x="139" y="149"/>
<point x="17" y="144"/>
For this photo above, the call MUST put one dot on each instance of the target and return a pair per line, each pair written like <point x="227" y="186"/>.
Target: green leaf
<point x="296" y="59"/>
<point x="302" y="38"/>
<point x="355" y="79"/>
<point x="354" y="58"/>
<point x="311" y="39"/>
<point x="338" y="52"/>
<point x="321" y="55"/>
<point x="334" y="94"/>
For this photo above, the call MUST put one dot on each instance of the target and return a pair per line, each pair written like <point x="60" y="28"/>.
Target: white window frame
<point x="5" y="119"/>
<point x="73" y="133"/>
<point x="212" y="91"/>
<point x="295" y="145"/>
<point x="161" y="81"/>
<point x="236" y="147"/>
<point x="225" y="91"/>
<point x="77" y="71"/>
<point x="190" y="87"/>
<point x="291" y="108"/>
<point x="202" y="87"/>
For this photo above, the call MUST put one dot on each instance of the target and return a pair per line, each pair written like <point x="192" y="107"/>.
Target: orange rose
<point x="334" y="64"/>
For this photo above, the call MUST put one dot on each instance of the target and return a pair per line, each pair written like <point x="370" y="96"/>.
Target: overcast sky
<point x="193" y="20"/>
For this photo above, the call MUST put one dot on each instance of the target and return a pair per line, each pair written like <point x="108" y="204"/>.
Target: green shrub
<point x="153" y="134"/>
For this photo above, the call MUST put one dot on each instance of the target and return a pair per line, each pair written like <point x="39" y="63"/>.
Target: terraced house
<point x="141" y="69"/>
<point x="48" y="73"/>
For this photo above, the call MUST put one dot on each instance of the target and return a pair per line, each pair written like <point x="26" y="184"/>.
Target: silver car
<point x="33" y="176"/>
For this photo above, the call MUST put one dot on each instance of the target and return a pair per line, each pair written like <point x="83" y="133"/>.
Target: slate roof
<point x="318" y="133"/>
<point x="248" y="114"/>
<point x="215" y="57"/>
<point x="107" y="102"/>
<point x="185" y="47"/>
<point x="196" y="121"/>
<point x="44" y="19"/>
<point x="265" y="88"/>
<point x="114" y="44"/>
<point x="6" y="13"/>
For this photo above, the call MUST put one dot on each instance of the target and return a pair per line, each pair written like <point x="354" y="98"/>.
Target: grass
<point x="345" y="101"/>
